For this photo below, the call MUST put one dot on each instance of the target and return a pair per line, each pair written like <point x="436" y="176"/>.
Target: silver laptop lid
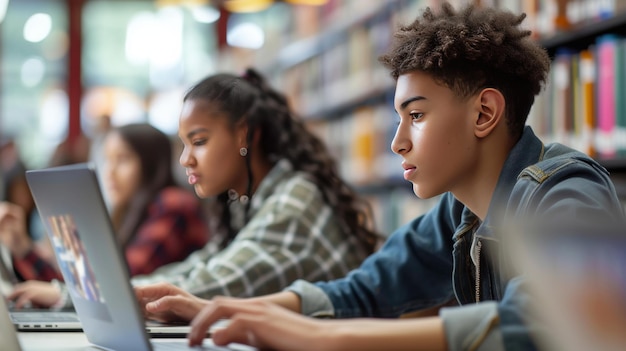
<point x="77" y="223"/>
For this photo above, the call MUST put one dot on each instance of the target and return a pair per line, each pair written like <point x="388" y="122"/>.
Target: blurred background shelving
<point x="133" y="60"/>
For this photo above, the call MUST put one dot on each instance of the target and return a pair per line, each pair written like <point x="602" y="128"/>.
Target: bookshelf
<point x="583" y="35"/>
<point x="587" y="36"/>
<point x="300" y="51"/>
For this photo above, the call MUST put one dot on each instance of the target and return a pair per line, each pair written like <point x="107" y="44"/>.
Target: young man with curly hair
<point x="465" y="83"/>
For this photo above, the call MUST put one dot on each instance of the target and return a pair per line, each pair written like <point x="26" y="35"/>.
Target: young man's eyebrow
<point x="406" y="102"/>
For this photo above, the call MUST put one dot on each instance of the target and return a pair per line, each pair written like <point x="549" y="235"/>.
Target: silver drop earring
<point x="232" y="195"/>
<point x="244" y="199"/>
<point x="243" y="151"/>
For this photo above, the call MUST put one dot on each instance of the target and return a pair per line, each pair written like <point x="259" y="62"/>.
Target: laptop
<point x="32" y="319"/>
<point x="72" y="208"/>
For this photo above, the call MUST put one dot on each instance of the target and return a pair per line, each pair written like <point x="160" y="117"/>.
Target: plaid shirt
<point x="292" y="234"/>
<point x="174" y="227"/>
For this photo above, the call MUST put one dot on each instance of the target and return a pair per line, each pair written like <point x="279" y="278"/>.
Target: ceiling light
<point x="205" y="14"/>
<point x="33" y="71"/>
<point x="3" y="9"/>
<point x="307" y="2"/>
<point x="166" y="3"/>
<point x="247" y="5"/>
<point x="246" y="35"/>
<point x="260" y="5"/>
<point x="37" y="27"/>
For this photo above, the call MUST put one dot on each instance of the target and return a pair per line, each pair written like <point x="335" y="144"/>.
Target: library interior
<point x="70" y="66"/>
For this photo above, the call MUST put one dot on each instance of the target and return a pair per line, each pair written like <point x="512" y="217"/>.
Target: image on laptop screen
<point x="72" y="259"/>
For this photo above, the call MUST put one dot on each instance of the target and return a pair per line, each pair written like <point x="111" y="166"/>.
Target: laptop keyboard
<point x="43" y="317"/>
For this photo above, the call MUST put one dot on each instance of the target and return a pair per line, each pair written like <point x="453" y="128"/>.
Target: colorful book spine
<point x="587" y="81"/>
<point x="575" y="120"/>
<point x="562" y="103"/>
<point x="606" y="60"/>
<point x="363" y="148"/>
<point x="620" y="96"/>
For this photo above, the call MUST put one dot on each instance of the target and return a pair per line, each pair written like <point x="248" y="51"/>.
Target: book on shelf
<point x="541" y="112"/>
<point x="360" y="62"/>
<point x="362" y="146"/>
<point x="388" y="164"/>
<point x="576" y="118"/>
<point x="562" y="111"/>
<point x="620" y="97"/>
<point x="587" y="75"/>
<point x="537" y="114"/>
<point x="606" y="49"/>
<point x="379" y="33"/>
<point x="531" y="9"/>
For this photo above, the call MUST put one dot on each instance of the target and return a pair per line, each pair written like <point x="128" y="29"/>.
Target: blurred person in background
<point x="156" y="221"/>
<point x="17" y="206"/>
<point x="71" y="151"/>
<point x="15" y="187"/>
<point x="101" y="125"/>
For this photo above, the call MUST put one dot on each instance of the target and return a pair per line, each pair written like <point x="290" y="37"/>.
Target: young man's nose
<point x="400" y="143"/>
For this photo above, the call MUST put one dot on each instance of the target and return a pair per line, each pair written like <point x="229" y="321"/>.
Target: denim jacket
<point x="449" y="256"/>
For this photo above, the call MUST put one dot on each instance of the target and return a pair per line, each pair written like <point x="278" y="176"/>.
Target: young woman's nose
<point x="185" y="157"/>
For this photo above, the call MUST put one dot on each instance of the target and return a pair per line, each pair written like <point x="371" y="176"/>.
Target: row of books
<point x="346" y="69"/>
<point x="340" y="21"/>
<point x="362" y="144"/>
<point x="583" y="104"/>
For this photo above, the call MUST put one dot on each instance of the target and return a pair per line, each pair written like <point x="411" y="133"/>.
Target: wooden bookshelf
<point x="305" y="49"/>
<point x="584" y="34"/>
<point x="340" y="109"/>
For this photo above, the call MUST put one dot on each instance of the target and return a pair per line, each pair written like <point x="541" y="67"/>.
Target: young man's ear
<point x="490" y="111"/>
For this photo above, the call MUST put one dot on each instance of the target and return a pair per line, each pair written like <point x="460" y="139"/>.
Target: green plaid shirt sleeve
<point x="293" y="234"/>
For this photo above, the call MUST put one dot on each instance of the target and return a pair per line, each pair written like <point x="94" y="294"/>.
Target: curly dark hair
<point x="250" y="98"/>
<point x="472" y="49"/>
